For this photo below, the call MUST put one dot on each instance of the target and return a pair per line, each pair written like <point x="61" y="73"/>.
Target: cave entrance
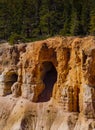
<point x="49" y="77"/>
<point x="10" y="79"/>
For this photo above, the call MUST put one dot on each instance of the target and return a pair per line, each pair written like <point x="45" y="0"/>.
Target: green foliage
<point x="76" y="28"/>
<point x="92" y="19"/>
<point x="92" y="24"/>
<point x="35" y="19"/>
<point x="16" y="39"/>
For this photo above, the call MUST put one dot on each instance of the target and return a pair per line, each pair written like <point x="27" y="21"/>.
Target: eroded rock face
<point x="48" y="85"/>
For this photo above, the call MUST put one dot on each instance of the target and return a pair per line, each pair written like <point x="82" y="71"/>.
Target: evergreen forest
<point x="37" y="19"/>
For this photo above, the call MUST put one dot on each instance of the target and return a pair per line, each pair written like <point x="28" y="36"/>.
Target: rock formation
<point x="48" y="85"/>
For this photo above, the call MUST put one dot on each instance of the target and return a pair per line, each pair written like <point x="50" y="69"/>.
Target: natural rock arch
<point x="10" y="79"/>
<point x="49" y="77"/>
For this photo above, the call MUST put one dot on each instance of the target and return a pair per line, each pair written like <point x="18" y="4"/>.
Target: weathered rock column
<point x="2" y="84"/>
<point x="88" y="101"/>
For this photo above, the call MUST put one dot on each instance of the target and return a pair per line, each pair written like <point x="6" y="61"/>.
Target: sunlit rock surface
<point x="48" y="85"/>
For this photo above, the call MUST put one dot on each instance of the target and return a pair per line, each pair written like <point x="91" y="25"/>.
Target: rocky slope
<point x="48" y="85"/>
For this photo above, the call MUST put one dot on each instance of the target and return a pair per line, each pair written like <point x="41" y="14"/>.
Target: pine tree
<point x="76" y="26"/>
<point x="4" y="20"/>
<point x="85" y="16"/>
<point x="92" y="23"/>
<point x="92" y="18"/>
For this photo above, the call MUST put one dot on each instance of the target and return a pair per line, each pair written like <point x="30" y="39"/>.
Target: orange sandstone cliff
<point x="48" y="85"/>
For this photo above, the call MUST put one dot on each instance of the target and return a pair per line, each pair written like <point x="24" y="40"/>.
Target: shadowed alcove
<point x="10" y="79"/>
<point x="78" y="108"/>
<point x="49" y="77"/>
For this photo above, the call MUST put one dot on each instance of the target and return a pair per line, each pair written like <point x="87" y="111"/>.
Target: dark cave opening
<point x="10" y="79"/>
<point x="49" y="79"/>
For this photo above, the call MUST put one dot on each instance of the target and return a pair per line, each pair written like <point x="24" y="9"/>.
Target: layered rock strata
<point x="48" y="85"/>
